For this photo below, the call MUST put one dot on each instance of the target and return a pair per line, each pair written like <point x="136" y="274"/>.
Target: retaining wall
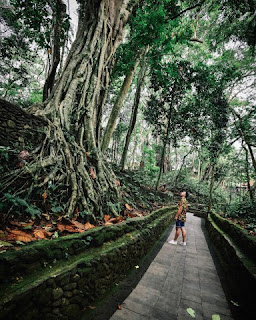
<point x="57" y="279"/>
<point x="235" y="252"/>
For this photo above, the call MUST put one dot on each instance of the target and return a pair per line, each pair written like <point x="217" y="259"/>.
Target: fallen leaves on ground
<point x="107" y="217"/>
<point x="128" y="207"/>
<point x="119" y="307"/>
<point x="116" y="219"/>
<point x="191" y="312"/>
<point x="18" y="235"/>
<point x="40" y="233"/>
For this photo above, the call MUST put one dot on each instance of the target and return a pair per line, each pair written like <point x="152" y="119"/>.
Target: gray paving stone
<point x="168" y="302"/>
<point x="126" y="314"/>
<point x="144" y="295"/>
<point x="191" y="295"/>
<point x="210" y="308"/>
<point x="154" y="281"/>
<point x="137" y="306"/>
<point x="159" y="314"/>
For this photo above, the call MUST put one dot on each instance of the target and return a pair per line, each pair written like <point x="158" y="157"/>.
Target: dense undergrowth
<point x="44" y="218"/>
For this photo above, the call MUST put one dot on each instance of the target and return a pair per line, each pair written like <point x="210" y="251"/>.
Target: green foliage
<point x="18" y="205"/>
<point x="28" y="29"/>
<point x="149" y="156"/>
<point x="245" y="209"/>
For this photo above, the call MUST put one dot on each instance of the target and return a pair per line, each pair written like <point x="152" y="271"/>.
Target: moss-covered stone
<point x="70" y="286"/>
<point x="88" y="276"/>
<point x="57" y="293"/>
<point x="72" y="311"/>
<point x="239" y="269"/>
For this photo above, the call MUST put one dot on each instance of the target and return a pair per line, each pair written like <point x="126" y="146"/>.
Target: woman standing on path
<point x="181" y="219"/>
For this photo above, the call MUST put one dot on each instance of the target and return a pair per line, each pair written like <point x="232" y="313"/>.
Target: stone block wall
<point x="239" y="269"/>
<point x="62" y="290"/>
<point x="240" y="236"/>
<point x="18" y="128"/>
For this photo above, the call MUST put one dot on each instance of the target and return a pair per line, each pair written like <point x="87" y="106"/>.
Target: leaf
<point x="40" y="234"/>
<point x="16" y="223"/>
<point x="79" y="225"/>
<point x="107" y="217"/>
<point x="132" y="215"/>
<point x="47" y="216"/>
<point x="128" y="207"/>
<point x="68" y="228"/>
<point x="92" y="307"/>
<point x="108" y="223"/>
<point x="119" y="307"/>
<point x="117" y="183"/>
<point x="55" y="235"/>
<point x="137" y="267"/>
<point x="235" y="303"/>
<point x="88" y="226"/>
<point x="191" y="312"/>
<point x="215" y="317"/>
<point x="116" y="220"/>
<point x="5" y="244"/>
<point x="56" y="209"/>
<point x="20" y="242"/>
<point x="19" y="235"/>
<point x="44" y="196"/>
<point x="28" y="227"/>
<point x="92" y="173"/>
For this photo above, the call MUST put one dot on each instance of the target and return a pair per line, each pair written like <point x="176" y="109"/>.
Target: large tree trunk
<point x="70" y="153"/>
<point x="59" y="11"/>
<point x="118" y="105"/>
<point x="135" y="107"/>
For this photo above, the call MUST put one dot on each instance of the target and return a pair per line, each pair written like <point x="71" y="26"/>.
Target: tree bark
<point x="164" y="144"/>
<point x="247" y="173"/>
<point x="244" y="136"/>
<point x="74" y="157"/>
<point x="59" y="13"/>
<point x="182" y="164"/>
<point x="135" y="107"/>
<point x="118" y="105"/>
<point x="211" y="189"/>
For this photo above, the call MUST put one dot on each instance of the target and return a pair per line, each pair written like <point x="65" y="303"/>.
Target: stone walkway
<point x="179" y="278"/>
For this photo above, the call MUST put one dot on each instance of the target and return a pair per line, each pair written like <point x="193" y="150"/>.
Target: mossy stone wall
<point x="240" y="236"/>
<point x="238" y="267"/>
<point x="62" y="290"/>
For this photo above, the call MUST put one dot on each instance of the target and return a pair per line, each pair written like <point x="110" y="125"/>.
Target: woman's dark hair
<point x="187" y="194"/>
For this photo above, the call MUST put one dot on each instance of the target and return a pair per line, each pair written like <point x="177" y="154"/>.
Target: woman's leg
<point x="177" y="233"/>
<point x="184" y="234"/>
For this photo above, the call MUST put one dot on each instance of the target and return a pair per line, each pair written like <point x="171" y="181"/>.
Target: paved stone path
<point x="179" y="278"/>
